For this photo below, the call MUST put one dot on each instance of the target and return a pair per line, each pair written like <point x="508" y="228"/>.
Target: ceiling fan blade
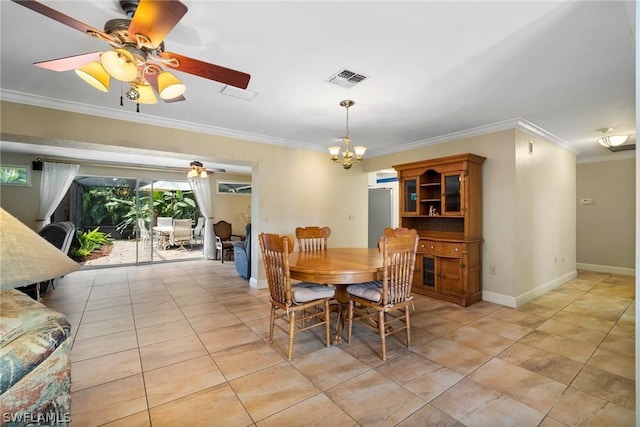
<point x="69" y="62"/>
<point x="206" y="70"/>
<point x="155" y="19"/>
<point x="152" y="78"/>
<point x="64" y="19"/>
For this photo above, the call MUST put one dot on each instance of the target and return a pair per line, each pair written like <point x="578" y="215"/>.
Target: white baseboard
<point x="258" y="284"/>
<point x="606" y="269"/>
<point x="514" y="302"/>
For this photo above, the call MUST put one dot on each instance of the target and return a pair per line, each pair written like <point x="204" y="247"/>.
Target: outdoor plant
<point x="90" y="241"/>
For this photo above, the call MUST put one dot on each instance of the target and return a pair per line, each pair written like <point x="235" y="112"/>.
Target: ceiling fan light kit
<point x="348" y="156"/>
<point x="197" y="169"/>
<point x="138" y="53"/>
<point x="95" y="74"/>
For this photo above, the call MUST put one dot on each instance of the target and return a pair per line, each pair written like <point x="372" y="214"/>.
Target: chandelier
<point x="348" y="156"/>
<point x="197" y="170"/>
<point x="611" y="141"/>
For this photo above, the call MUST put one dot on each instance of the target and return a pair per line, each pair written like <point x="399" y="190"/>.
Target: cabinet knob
<point x="431" y="247"/>
<point x="456" y="250"/>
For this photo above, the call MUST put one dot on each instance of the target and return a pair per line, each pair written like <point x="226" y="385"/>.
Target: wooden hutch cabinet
<point x="442" y="200"/>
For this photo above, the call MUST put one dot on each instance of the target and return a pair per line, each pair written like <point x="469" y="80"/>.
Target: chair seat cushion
<point x="305" y="292"/>
<point x="368" y="290"/>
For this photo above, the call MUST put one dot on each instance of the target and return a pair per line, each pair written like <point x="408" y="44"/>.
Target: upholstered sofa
<point x="35" y="367"/>
<point x="242" y="254"/>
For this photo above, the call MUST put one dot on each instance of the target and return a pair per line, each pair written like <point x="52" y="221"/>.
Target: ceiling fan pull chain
<point x="137" y="107"/>
<point x="121" y="103"/>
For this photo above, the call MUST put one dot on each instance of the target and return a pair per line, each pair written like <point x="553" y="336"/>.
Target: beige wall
<point x="606" y="227"/>
<point x="290" y="186"/>
<point x="545" y="217"/>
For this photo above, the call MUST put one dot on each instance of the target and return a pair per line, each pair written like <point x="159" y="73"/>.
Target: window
<point x="15" y="175"/>
<point x="227" y="187"/>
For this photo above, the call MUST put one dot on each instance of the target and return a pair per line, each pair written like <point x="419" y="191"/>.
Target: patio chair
<point x="198" y="231"/>
<point x="181" y="233"/>
<point x="311" y="300"/>
<point x="312" y="238"/>
<point x="375" y="304"/>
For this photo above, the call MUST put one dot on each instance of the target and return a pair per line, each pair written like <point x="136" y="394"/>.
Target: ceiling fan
<point x="137" y="56"/>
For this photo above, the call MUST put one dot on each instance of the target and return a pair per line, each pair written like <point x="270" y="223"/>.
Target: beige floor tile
<point x="195" y="310"/>
<point x="105" y="327"/>
<point x="216" y="320"/>
<point x="109" y="291"/>
<point x="151" y="297"/>
<point x="518" y="317"/>
<point x="67" y="309"/>
<point x="614" y="362"/>
<point x="98" y="303"/>
<point x="144" y="320"/>
<point x="106" y="313"/>
<point x="253" y="312"/>
<point x="150" y="306"/>
<point x="448" y="353"/>
<point x="563" y="346"/>
<point x="584" y="321"/>
<point x="213" y="406"/>
<point x="429" y="415"/>
<point x="374" y="400"/>
<point x="528" y="388"/>
<point x="163" y="332"/>
<point x="141" y="419"/>
<point x="169" y="352"/>
<point x="145" y="288"/>
<point x="480" y="340"/>
<point x="318" y="411"/>
<point x="108" y="402"/>
<point x="273" y="389"/>
<point x="192" y="299"/>
<point x="596" y="308"/>
<point x="577" y="408"/>
<point x="572" y="331"/>
<point x="553" y="366"/>
<point x="246" y="359"/>
<point x="328" y="367"/>
<point x="101" y="345"/>
<point x="98" y="370"/>
<point x="180" y="379"/>
<point x="419" y="375"/>
<point x="605" y="385"/>
<point x="622" y="344"/>
<point x="224" y="338"/>
<point x="436" y="325"/>
<point x="502" y="328"/>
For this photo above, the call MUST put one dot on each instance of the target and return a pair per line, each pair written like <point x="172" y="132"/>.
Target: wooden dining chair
<point x="312" y="238"/>
<point x="383" y="305"/>
<point x="310" y="300"/>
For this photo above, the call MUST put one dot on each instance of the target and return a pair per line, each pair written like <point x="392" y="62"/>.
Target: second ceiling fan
<point x="137" y="56"/>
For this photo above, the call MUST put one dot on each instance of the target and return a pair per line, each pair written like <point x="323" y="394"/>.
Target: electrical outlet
<point x="585" y="201"/>
<point x="492" y="270"/>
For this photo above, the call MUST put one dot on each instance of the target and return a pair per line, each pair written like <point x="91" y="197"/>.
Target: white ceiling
<point x="434" y="68"/>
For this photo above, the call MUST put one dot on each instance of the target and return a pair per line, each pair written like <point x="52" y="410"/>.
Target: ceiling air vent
<point x="346" y="78"/>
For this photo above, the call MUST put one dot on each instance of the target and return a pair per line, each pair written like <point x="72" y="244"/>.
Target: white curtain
<point x="202" y="192"/>
<point x="56" y="180"/>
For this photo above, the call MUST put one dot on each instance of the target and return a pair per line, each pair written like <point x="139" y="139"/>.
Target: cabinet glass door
<point x="452" y="194"/>
<point x="410" y="195"/>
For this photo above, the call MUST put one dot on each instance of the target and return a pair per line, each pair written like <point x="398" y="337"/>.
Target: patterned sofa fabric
<point x="35" y="371"/>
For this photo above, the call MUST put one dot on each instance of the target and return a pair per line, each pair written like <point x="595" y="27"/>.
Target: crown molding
<point x="622" y="155"/>
<point x="517" y="123"/>
<point x="118" y="114"/>
<point x="75" y="107"/>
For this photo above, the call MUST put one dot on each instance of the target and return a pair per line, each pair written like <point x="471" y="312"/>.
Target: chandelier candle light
<point x="347" y="155"/>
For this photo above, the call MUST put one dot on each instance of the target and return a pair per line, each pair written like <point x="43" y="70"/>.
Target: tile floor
<point x="184" y="344"/>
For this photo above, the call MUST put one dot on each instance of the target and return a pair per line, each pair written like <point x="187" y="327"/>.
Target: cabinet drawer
<point x="423" y="246"/>
<point x="449" y="249"/>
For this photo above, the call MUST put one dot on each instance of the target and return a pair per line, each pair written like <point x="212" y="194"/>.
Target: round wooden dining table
<point x="337" y="267"/>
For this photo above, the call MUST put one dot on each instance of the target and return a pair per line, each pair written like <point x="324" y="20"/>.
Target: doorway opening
<point x="125" y="213"/>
